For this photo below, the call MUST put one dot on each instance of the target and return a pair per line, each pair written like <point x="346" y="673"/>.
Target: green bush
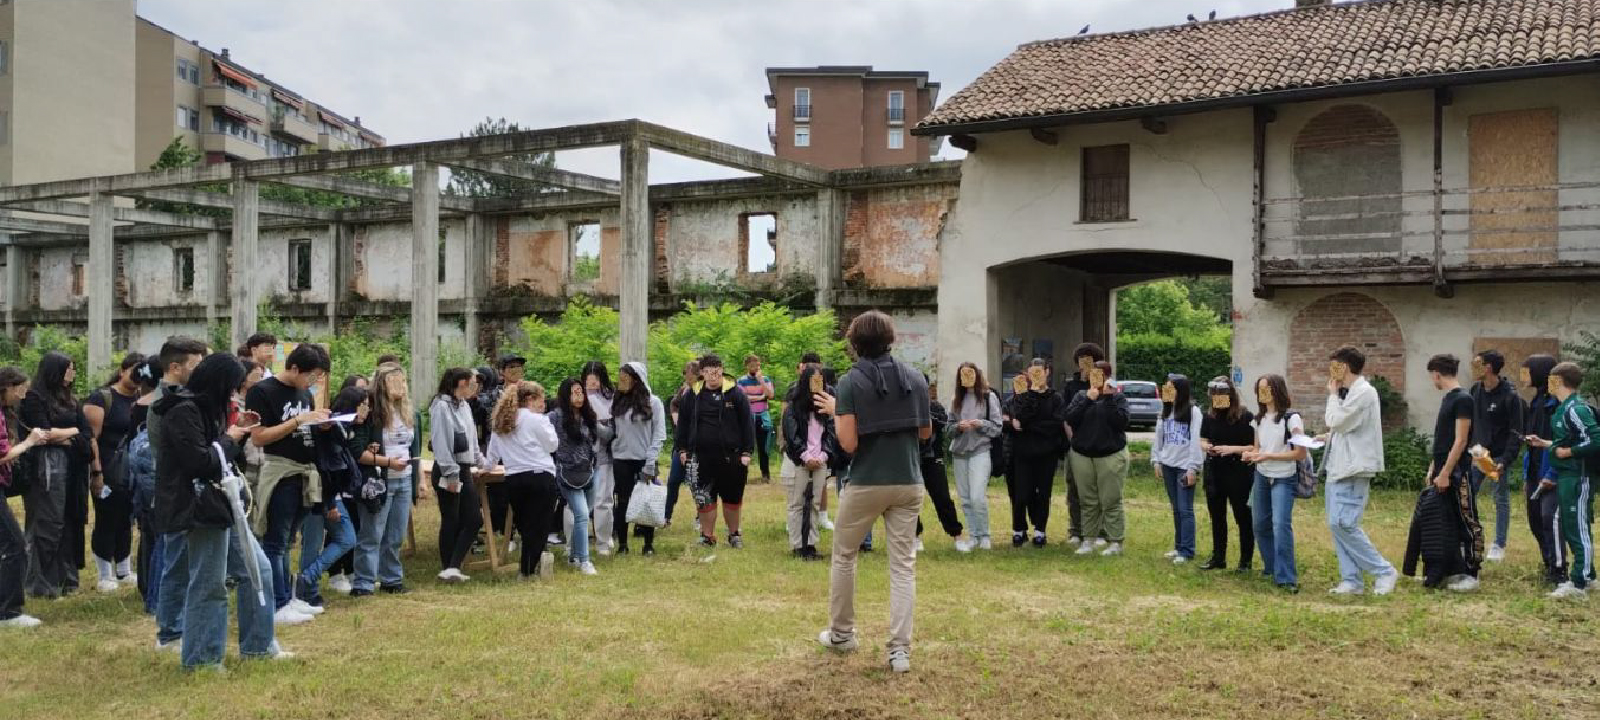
<point x="1152" y="357"/>
<point x="44" y="339"/>
<point x="1586" y="353"/>
<point x="1405" y="459"/>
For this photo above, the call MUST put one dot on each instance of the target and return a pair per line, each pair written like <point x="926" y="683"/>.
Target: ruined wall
<point x="703" y="238"/>
<point x="891" y="236"/>
<point x="382" y="261"/>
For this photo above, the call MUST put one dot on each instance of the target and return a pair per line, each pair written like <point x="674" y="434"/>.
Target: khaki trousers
<point x="859" y="507"/>
<point x="1099" y="482"/>
<point x="796" y="486"/>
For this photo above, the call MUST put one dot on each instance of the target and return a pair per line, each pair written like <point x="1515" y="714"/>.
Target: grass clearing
<point x="1022" y="633"/>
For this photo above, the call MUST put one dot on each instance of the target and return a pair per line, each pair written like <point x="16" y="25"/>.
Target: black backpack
<point x="115" y="469"/>
<point x="997" y="446"/>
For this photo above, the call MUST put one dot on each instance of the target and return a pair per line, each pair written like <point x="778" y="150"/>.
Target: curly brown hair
<point x="503" y="419"/>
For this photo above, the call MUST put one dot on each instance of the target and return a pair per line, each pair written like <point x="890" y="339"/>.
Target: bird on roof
<point x="1084" y="31"/>
<point x="1191" y="18"/>
<point x="1212" y="16"/>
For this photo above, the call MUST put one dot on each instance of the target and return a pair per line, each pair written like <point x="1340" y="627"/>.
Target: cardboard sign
<point x="624" y="382"/>
<point x="1554" y="383"/>
<point x="816" y="383"/>
<point x="1169" y="393"/>
<point x="1097" y="378"/>
<point x="1527" y="377"/>
<point x="1338" y="371"/>
<point x="969" y="377"/>
<point x="1085" y="365"/>
<point x="1478" y="367"/>
<point x="1019" y="384"/>
<point x="1037" y="376"/>
<point x="1221" y="402"/>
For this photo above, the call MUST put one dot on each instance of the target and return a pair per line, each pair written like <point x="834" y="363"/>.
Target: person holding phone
<point x="1040" y="439"/>
<point x="1574" y="442"/>
<point x="454" y="440"/>
<point x="1542" y="505"/>
<point x="394" y="428"/>
<point x="1225" y="435"/>
<point x="1498" y="428"/>
<point x="13" y="544"/>
<point x="1083" y="359"/>
<point x="1098" y="417"/>
<point x="1177" y="457"/>
<point x="1354" y="457"/>
<point x="812" y="446"/>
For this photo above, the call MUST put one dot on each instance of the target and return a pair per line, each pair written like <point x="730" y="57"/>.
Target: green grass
<point x="1020" y="633"/>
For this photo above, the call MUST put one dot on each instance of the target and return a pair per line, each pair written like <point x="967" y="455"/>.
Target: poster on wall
<point x="1012" y="363"/>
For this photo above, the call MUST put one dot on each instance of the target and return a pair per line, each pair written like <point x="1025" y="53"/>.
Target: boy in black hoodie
<point x="1543" y="509"/>
<point x="1041" y="436"/>
<point x="717" y="431"/>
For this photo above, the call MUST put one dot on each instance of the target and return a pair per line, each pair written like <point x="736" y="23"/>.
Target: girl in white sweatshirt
<point x="1178" y="456"/>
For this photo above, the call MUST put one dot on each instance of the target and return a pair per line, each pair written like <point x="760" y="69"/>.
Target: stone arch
<point x="1348" y="150"/>
<point x="1345" y="318"/>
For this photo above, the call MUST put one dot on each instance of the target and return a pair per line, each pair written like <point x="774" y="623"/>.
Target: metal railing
<point x="802" y="112"/>
<point x="897" y="114"/>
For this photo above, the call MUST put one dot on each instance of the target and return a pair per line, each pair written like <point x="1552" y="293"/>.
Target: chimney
<point x="1311" y="3"/>
<point x="358" y="121"/>
<point x="225" y="53"/>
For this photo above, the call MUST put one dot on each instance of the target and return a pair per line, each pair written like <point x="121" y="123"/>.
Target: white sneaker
<point x="129" y="579"/>
<point x="107" y="586"/>
<point x="281" y="654"/>
<point x="173" y="646"/>
<point x="900" y="661"/>
<point x="1170" y="554"/>
<point x="1099" y="542"/>
<point x="1467" y="583"/>
<point x="1496" y="553"/>
<point x="287" y="615"/>
<point x="587" y="568"/>
<point x="1112" y="549"/>
<point x="964" y="545"/>
<point x="29" y="621"/>
<point x="1346" y="588"/>
<point x="823" y="522"/>
<point x="552" y="539"/>
<point x="1179" y="560"/>
<point x="1566" y="591"/>
<point x="602" y="549"/>
<point x="918" y="548"/>
<point x="1084" y="549"/>
<point x="1074" y="540"/>
<point x="305" y="608"/>
<point x="830" y="642"/>
<point x="340" y="584"/>
<point x="511" y="546"/>
<point x="1384" y="584"/>
<point x="984" y="544"/>
<point x="452" y="575"/>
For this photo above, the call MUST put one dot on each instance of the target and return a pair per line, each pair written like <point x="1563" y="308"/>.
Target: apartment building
<point x="91" y="88"/>
<point x="847" y="116"/>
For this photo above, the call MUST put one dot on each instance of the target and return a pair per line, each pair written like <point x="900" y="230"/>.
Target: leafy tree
<point x="1213" y="293"/>
<point x="45" y="338"/>
<point x="1586" y="353"/>
<point x="475" y="184"/>
<point x="179" y="155"/>
<point x="1164" y="307"/>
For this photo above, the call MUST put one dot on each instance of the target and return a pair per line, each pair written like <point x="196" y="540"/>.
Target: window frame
<point x="802" y="131"/>
<point x="299" y="282"/>
<point x="574" y="228"/>
<point x="897" y="138"/>
<point x="183" y="282"/>
<point x="798" y="104"/>
<point x="1105" y="195"/>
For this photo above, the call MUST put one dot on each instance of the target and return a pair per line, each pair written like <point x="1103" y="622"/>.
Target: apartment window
<point x="80" y="266"/>
<point x="5" y="57"/>
<point x="897" y="106"/>
<point x="760" y="238"/>
<point x="1105" y="184"/>
<point x="442" y="256"/>
<point x="183" y="269"/>
<point x="585" y="243"/>
<point x="5" y="127"/>
<point x="188" y="118"/>
<point x="802" y="103"/>
<point x="299" y="264"/>
<point x="802" y="137"/>
<point x="897" y="138"/>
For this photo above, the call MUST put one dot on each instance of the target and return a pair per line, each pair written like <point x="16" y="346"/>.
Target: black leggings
<point x="937" y="484"/>
<point x="499" y="502"/>
<point x="1222" y="490"/>
<point x="112" y="537"/>
<point x="459" y="521"/>
<point x="627" y="474"/>
<point x="532" y="499"/>
<point x="1030" y="498"/>
<point x="761" y="449"/>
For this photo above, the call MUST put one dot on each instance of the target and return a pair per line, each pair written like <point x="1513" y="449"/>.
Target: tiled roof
<point x="1360" y="42"/>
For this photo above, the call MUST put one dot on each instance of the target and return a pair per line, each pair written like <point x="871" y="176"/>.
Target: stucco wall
<point x="383" y="262"/>
<point x="703" y="238"/>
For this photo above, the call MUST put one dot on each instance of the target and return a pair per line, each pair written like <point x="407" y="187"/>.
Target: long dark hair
<point x="50" y="382"/>
<point x="213" y="384"/>
<point x="451" y="380"/>
<point x="129" y="362"/>
<point x="800" y="398"/>
<point x="1539" y="367"/>
<point x="598" y="369"/>
<point x="11" y="377"/>
<point x="1235" y="409"/>
<point x="348" y="400"/>
<point x="569" y="415"/>
<point x="634" y="403"/>
<point x="1182" y="399"/>
<point x="980" y="387"/>
<point x="1280" y="396"/>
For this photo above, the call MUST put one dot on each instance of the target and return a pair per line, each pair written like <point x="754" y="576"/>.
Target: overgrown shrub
<point x="44" y="339"/>
<point x="1586" y="353"/>
<point x="1405" y="459"/>
<point x="1152" y="357"/>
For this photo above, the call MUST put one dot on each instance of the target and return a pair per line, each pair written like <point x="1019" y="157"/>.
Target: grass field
<point x="1023" y="633"/>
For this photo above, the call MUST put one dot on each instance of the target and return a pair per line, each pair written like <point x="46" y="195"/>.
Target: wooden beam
<point x="1441" y="286"/>
<point x="964" y="142"/>
<point x="1048" y="137"/>
<point x="117" y="184"/>
<point x="1154" y="126"/>
<point x="545" y="175"/>
<point x="1259" y="118"/>
<point x="363" y="189"/>
<point x="69" y="208"/>
<point x="224" y="201"/>
<point x="728" y="155"/>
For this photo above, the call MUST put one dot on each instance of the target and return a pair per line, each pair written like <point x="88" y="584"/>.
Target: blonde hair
<point x="503" y="419"/>
<point x="384" y="410"/>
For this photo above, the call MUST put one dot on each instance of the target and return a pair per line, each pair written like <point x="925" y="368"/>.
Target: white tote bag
<point x="648" y="505"/>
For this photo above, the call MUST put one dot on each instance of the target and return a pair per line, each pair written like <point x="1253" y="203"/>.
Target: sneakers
<point x="453" y="575"/>
<point x="918" y="546"/>
<point x="169" y="646"/>
<point x="1385" y="583"/>
<point x="1084" y="549"/>
<point x="832" y="642"/>
<point x="340" y="584"/>
<point x="1075" y="540"/>
<point x="29" y="621"/>
<point x="360" y="593"/>
<point x="587" y="568"/>
<point x="395" y="589"/>
<point x="602" y="549"/>
<point x="554" y="539"/>
<point x="129" y="579"/>
<point x="824" y="523"/>
<point x="1496" y="553"/>
<point x="900" y="661"/>
<point x="287" y="615"/>
<point x="1099" y="542"/>
<point x="1467" y="583"/>
<point x="107" y="586"/>
<point x="1179" y="560"/>
<point x="706" y="541"/>
<point x="964" y="545"/>
<point x="736" y="541"/>
<point x="1170" y="554"/>
<point x="1214" y="564"/>
<point x="1565" y="591"/>
<point x="1112" y="549"/>
<point x="281" y="654"/>
<point x="1018" y="539"/>
<point x="511" y="546"/>
<point x="305" y="608"/>
<point x="1038" y="542"/>
<point x="984" y="544"/>
<point x="648" y="551"/>
<point x="1346" y="588"/>
<point x="809" y="553"/>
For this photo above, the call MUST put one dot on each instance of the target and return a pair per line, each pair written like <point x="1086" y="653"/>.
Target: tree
<point x="179" y="155"/>
<point x="1213" y="293"/>
<point x="467" y="183"/>
<point x="1164" y="307"/>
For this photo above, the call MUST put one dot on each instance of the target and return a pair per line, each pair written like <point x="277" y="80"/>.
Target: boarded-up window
<point x="1517" y="149"/>
<point x="80" y="265"/>
<point x="1105" y="184"/>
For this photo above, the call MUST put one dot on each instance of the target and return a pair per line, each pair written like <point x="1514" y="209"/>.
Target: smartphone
<point x="248" y="419"/>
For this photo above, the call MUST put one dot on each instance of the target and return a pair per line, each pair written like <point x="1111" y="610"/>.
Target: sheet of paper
<point x="1306" y="441"/>
<point x="346" y="418"/>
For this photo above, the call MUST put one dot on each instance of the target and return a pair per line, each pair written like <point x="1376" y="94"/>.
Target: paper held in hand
<point x="1306" y="441"/>
<point x="346" y="418"/>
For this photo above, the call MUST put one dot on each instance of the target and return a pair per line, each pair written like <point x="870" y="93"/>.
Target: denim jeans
<point x="1346" y="503"/>
<point x="284" y="513"/>
<point x="1502" y="502"/>
<point x="382" y="533"/>
<point x="315" y="558"/>
<point x="150" y="570"/>
<point x="214" y="556"/>
<point x="578" y="504"/>
<point x="1274" y="520"/>
<point x="972" y="485"/>
<point x="1181" y="496"/>
<point x="172" y="586"/>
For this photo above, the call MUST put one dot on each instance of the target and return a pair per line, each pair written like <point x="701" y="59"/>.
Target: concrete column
<point x="475" y="271"/>
<point x="100" y="281"/>
<point x="246" y="249"/>
<point x="216" y="277"/>
<point x="634" y="300"/>
<point x="15" y="283"/>
<point x="335" y="283"/>
<point x="424" y="279"/>
<point x="830" y="246"/>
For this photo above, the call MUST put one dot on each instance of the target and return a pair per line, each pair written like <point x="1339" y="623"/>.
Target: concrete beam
<point x="534" y="173"/>
<point x="634" y="295"/>
<point x="477" y="273"/>
<point x="117" y="184"/>
<point x="69" y="208"/>
<point x="224" y="201"/>
<point x="831" y="206"/>
<point x="246" y="245"/>
<point x="424" y="278"/>
<point x="15" y="286"/>
<point x="9" y="220"/>
<point x="100" y="281"/>
<point x="216" y="275"/>
<point x="335" y="290"/>
<point x="527" y="142"/>
<point x="728" y="155"/>
<point x="362" y="189"/>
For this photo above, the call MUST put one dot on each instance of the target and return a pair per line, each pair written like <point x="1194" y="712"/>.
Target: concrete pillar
<point x="216" y="276"/>
<point x="100" y="281"/>
<point x="335" y="285"/>
<point x="424" y="279"/>
<point x="637" y="251"/>
<point x="15" y="279"/>
<point x="246" y="249"/>
<point x="476" y="272"/>
<point x="830" y="246"/>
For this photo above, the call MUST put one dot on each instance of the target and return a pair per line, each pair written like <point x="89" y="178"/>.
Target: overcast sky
<point x="429" y="69"/>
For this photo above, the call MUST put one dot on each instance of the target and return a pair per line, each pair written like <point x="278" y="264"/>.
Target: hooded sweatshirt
<point x="640" y="438"/>
<point x="1541" y="410"/>
<point x="986" y="410"/>
<point x="1099" y="427"/>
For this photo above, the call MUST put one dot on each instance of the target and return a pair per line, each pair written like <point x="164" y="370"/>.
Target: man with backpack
<point x="1354" y="456"/>
<point x="1575" y="453"/>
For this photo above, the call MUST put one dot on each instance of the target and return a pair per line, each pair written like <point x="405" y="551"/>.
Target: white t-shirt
<point x="1270" y="440"/>
<point x="397" y="444"/>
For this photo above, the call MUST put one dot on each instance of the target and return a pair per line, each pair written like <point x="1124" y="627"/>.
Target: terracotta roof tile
<point x="1302" y="48"/>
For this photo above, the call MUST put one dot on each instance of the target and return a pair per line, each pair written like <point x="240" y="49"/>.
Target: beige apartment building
<point x="87" y="87"/>
<point x="849" y="116"/>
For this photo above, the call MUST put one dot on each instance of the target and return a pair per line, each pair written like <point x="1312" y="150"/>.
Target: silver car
<point x="1144" y="401"/>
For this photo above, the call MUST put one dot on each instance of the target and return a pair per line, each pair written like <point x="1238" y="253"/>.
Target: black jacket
<point x="933" y="447"/>
<point x="1099" y="427"/>
<point x="1042" y="434"/>
<point x="738" y="425"/>
<point x="1497" y="421"/>
<point x="185" y="455"/>
<point x="794" y="439"/>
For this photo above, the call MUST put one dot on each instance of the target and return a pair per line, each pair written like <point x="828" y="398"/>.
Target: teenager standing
<point x="811" y="444"/>
<point x="1177" y="456"/>
<point x="1575" y="441"/>
<point x="178" y="358"/>
<point x="1036" y="418"/>
<point x="691" y="375"/>
<point x="13" y="543"/>
<point x="329" y="516"/>
<point x="59" y="467"/>
<point x="523" y="440"/>
<point x="455" y="454"/>
<point x="289" y="482"/>
<point x="1226" y="434"/>
<point x="109" y="411"/>
<point x="758" y="392"/>
<point x="385" y="519"/>
<point x="1497" y="427"/>
<point x="1084" y="358"/>
<point x="975" y="412"/>
<point x="1277" y="468"/>
<point x="601" y="394"/>
<point x="577" y="433"/>
<point x="1354" y="457"/>
<point x="1542" y="505"/>
<point x="1448" y="474"/>
<point x="716" y="431"/>
<point x="1098" y="418"/>
<point x="640" y="424"/>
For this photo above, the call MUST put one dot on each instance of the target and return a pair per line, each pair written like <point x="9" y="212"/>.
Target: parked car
<point x="1144" y="401"/>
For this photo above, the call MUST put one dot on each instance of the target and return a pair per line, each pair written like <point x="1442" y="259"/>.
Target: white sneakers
<point x="602" y="549"/>
<point x="1496" y="553"/>
<point x="1564" y="591"/>
<point x="1074" y="541"/>
<point x="1179" y="559"/>
<point x="918" y="547"/>
<point x="822" y="522"/>
<point x="340" y="584"/>
<point x="1346" y="588"/>
<point x="829" y="641"/>
<point x="964" y="544"/>
<point x="1170" y="554"/>
<point x="1084" y="549"/>
<point x="985" y="545"/>
<point x="305" y="608"/>
<point x="587" y="568"/>
<point x="1384" y="584"/>
<point x="29" y="621"/>
<point x="287" y="615"/>
<point x="1099" y="542"/>
<point x="173" y="646"/>
<point x="129" y="579"/>
<point x="1464" y="583"/>
<point x="900" y="660"/>
<point x="1112" y="549"/>
<point x="453" y="575"/>
<point x="107" y="586"/>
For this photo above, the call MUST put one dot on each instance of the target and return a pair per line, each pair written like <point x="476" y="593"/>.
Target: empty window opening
<point x="442" y="256"/>
<point x="585" y="242"/>
<point x="760" y="241"/>
<point x="183" y="269"/>
<point x="299" y="264"/>
<point x="80" y="265"/>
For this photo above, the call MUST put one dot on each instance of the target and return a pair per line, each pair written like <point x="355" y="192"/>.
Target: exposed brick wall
<point x="891" y="236"/>
<point x="658" y="242"/>
<point x="119" y="276"/>
<point x="502" y="250"/>
<point x="855" y="233"/>
<point x="358" y="259"/>
<point x="33" y="278"/>
<point x="1332" y="322"/>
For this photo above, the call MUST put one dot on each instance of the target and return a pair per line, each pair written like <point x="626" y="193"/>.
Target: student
<point x="811" y="444"/>
<point x="1098" y="418"/>
<point x="359" y="382"/>
<point x="1083" y="359"/>
<point x="523" y="441"/>
<point x="881" y="414"/>
<point x="139" y="476"/>
<point x="1447" y="473"/>
<point x="59" y="467"/>
<point x="13" y="544"/>
<point x="109" y="411"/>
<point x="492" y="384"/>
<point x="1543" y="507"/>
<point x="178" y="358"/>
<point x="975" y="411"/>
<point x="454" y="442"/>
<point x="261" y="348"/>
<point x="1226" y="435"/>
<point x="1040" y="438"/>
<point x="640" y="425"/>
<point x="717" y="432"/>
<point x="935" y="481"/>
<point x="691" y="375"/>
<point x="577" y="433"/>
<point x="329" y="517"/>
<point x="786" y="467"/>
<point x="385" y="519"/>
<point x="601" y="393"/>
<point x="1177" y="456"/>
<point x="1354" y="457"/>
<point x="1277" y="468"/>
<point x="1575" y="440"/>
<point x="1498" y="428"/>
<point x="192" y="419"/>
<point x="758" y="393"/>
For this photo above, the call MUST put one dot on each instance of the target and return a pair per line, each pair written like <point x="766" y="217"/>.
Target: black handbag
<point x="459" y="443"/>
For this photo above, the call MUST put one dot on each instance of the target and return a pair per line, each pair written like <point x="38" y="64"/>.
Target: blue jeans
<point x="377" y="557"/>
<point x="1182" y="498"/>
<point x="284" y="513"/>
<point x="1502" y="501"/>
<point x="308" y="586"/>
<point x="1274" y="519"/>
<point x="579" y="503"/>
<point x="152" y="587"/>
<point x="214" y="557"/>
<point x="1346" y="503"/>
<point x="172" y="585"/>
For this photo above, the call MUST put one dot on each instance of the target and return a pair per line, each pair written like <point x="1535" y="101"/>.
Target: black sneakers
<point x="1018" y="539"/>
<point x="736" y="541"/>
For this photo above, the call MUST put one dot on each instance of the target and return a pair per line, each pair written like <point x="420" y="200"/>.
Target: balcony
<point x="802" y="113"/>
<point x="232" y="146"/>
<point x="294" y="127"/>
<point x="219" y="96"/>
<point x="1500" y="234"/>
<point x="897" y="116"/>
